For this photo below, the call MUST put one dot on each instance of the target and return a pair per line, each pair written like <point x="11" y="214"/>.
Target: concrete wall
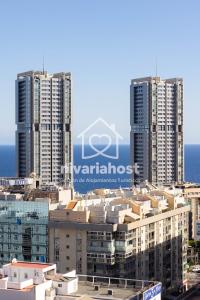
<point x="64" y="288"/>
<point x="41" y="288"/>
<point x="69" y="215"/>
<point x="19" y="285"/>
<point x="72" y="244"/>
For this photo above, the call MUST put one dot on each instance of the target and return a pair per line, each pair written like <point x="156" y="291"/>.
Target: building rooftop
<point x="69" y="285"/>
<point x="111" y="288"/>
<point x="41" y="73"/>
<point x="126" y="208"/>
<point x="30" y="265"/>
<point x="102" y="292"/>
<point x="155" y="78"/>
<point x="59" y="277"/>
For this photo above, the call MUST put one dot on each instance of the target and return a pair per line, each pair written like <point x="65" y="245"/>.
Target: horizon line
<point x="120" y="144"/>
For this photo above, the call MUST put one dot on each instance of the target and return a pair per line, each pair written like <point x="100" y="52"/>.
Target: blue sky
<point x="104" y="44"/>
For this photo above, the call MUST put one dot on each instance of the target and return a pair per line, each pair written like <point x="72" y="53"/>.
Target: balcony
<point x="125" y="248"/>
<point x="109" y="248"/>
<point x="100" y="258"/>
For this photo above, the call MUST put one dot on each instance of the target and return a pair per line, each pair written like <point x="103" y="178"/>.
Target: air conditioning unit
<point x="110" y="292"/>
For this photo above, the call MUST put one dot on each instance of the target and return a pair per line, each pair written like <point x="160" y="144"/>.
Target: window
<point x="67" y="246"/>
<point x="57" y="254"/>
<point x="67" y="235"/>
<point x="15" y="274"/>
<point x="67" y="257"/>
<point x="59" y="285"/>
<point x="25" y="275"/>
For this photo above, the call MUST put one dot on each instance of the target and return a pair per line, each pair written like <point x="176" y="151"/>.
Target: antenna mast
<point x="43" y="65"/>
<point x="156" y="67"/>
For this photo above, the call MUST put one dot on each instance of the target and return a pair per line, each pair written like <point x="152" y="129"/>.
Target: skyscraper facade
<point x="44" y="133"/>
<point x="156" y="118"/>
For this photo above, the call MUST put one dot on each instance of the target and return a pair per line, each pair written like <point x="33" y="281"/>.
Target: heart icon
<point x="103" y="140"/>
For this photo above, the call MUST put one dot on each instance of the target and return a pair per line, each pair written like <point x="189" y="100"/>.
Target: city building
<point x="191" y="192"/>
<point x="18" y="183"/>
<point x="35" y="281"/>
<point x="44" y="132"/>
<point x="156" y="138"/>
<point x="24" y="223"/>
<point x="142" y="236"/>
<point x="23" y="229"/>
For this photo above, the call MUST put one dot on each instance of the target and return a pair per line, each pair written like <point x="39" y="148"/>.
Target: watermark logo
<point x="101" y="157"/>
<point x="100" y="139"/>
<point x="100" y="169"/>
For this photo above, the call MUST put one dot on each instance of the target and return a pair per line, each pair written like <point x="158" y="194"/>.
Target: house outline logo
<point x="110" y="141"/>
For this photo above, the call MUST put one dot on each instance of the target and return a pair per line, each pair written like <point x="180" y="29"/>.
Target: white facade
<point x="32" y="281"/>
<point x="25" y="281"/>
<point x="142" y="236"/>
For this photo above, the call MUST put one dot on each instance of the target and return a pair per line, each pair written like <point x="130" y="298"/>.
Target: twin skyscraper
<point x="44" y="133"/>
<point x="44" y="128"/>
<point x="156" y="118"/>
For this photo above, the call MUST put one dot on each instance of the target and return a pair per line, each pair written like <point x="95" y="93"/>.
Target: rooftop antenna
<point x="156" y="66"/>
<point x="43" y="65"/>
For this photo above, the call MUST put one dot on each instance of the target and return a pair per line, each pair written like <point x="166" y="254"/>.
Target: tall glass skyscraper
<point x="44" y="133"/>
<point x="156" y="118"/>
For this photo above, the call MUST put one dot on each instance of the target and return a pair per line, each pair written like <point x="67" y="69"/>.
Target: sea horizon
<point x="87" y="182"/>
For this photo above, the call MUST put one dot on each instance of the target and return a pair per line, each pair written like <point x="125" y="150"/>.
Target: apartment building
<point x="23" y="230"/>
<point x="144" y="236"/>
<point x="44" y="132"/>
<point x="191" y="192"/>
<point x="156" y="138"/>
<point x="38" y="281"/>
<point x="24" y="223"/>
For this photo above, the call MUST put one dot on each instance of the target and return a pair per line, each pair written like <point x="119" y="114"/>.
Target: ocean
<point x="107" y="172"/>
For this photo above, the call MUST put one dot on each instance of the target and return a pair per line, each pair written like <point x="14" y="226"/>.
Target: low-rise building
<point x="37" y="281"/>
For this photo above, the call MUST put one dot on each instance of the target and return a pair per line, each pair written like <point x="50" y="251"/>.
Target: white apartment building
<point x="36" y="281"/>
<point x="43" y="118"/>
<point x="156" y="119"/>
<point x="191" y="193"/>
<point x="142" y="236"/>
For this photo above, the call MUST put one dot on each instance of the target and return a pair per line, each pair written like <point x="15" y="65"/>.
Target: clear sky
<point x="104" y="43"/>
